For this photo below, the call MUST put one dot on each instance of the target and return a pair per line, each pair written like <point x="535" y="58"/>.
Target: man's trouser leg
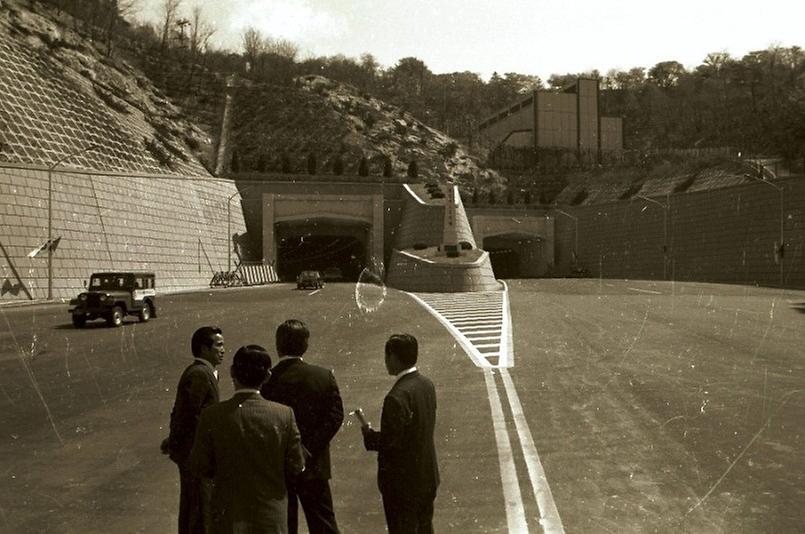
<point x="405" y="515"/>
<point x="194" y="495"/>
<point x="317" y="502"/>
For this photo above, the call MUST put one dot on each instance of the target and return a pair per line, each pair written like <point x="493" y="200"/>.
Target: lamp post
<point x="664" y="232"/>
<point x="781" y="250"/>
<point x="229" y="224"/>
<point x="575" y="231"/>
<point x="50" y="212"/>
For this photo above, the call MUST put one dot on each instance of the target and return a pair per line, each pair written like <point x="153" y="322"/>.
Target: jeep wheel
<point x="145" y="313"/>
<point x="116" y="317"/>
<point x="79" y="320"/>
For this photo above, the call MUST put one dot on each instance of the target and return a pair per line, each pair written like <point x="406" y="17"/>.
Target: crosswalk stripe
<point x="479" y="321"/>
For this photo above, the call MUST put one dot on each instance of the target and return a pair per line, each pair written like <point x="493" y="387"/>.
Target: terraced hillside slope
<point x="62" y="94"/>
<point x="334" y="121"/>
<point x="92" y="155"/>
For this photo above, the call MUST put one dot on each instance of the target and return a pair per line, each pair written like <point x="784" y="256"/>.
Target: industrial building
<point x="570" y="120"/>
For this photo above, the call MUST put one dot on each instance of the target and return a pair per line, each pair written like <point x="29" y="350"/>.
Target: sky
<point x="538" y="37"/>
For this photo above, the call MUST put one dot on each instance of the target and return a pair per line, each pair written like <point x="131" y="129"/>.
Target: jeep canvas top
<point x="113" y="295"/>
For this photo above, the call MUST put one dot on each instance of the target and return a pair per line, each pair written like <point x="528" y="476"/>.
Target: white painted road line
<point x="486" y="338"/>
<point x="468" y="316"/>
<point x="644" y="290"/>
<point x="515" y="511"/>
<point x="465" y="343"/>
<point x="549" y="515"/>
<point x="492" y="346"/>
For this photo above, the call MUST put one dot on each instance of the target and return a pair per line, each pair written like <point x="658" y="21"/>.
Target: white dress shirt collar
<point x="405" y="372"/>
<point x="246" y="390"/>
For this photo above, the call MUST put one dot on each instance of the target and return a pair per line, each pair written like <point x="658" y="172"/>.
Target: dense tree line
<point x="755" y="103"/>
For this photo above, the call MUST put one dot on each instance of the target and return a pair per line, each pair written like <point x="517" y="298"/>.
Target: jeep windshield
<point x="108" y="281"/>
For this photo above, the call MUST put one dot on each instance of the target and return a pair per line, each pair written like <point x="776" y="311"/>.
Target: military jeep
<point x="112" y="296"/>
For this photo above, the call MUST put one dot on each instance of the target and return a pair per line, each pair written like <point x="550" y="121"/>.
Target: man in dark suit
<point x="311" y="391"/>
<point x="248" y="446"/>
<point x="197" y="389"/>
<point x="407" y="474"/>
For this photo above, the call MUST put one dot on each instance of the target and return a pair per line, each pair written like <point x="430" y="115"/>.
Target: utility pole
<point x="665" y="208"/>
<point x="50" y="212"/>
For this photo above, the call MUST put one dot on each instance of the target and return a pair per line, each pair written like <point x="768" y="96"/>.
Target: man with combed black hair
<point x="248" y="446"/>
<point x="407" y="474"/>
<point x="197" y="389"/>
<point x="312" y="392"/>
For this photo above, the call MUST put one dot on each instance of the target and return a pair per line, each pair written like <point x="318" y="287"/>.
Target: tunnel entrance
<point x="335" y="248"/>
<point x="515" y="255"/>
<point x="505" y="263"/>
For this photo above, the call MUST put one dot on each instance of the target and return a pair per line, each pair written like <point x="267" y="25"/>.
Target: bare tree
<point x="253" y="45"/>
<point x="201" y="31"/>
<point x="169" y="10"/>
<point x="116" y="11"/>
<point x="281" y="47"/>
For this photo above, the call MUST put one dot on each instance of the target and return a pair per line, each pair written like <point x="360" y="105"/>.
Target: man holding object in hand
<point x="408" y="474"/>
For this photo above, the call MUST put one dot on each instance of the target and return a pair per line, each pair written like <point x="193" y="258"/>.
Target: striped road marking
<point x="481" y="323"/>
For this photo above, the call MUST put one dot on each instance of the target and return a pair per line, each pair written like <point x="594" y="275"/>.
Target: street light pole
<point x="50" y="213"/>
<point x="665" y="208"/>
<point x="576" y="231"/>
<point x="781" y="249"/>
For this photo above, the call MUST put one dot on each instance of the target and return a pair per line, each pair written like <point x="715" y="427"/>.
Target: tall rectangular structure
<point x="569" y="120"/>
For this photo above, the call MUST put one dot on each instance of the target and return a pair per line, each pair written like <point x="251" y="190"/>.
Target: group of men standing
<point x="246" y="463"/>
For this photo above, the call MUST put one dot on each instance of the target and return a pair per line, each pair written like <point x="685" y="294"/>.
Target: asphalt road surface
<point x="632" y="407"/>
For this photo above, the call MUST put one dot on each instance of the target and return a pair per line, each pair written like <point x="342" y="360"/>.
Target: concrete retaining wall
<point x="728" y="235"/>
<point x="411" y="273"/>
<point x="174" y="226"/>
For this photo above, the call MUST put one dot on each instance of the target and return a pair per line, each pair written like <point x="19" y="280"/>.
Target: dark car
<point x="332" y="273"/>
<point x="309" y="279"/>
<point x="112" y="296"/>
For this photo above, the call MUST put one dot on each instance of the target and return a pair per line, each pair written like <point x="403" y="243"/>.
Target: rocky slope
<point x="61" y="94"/>
<point x="332" y="120"/>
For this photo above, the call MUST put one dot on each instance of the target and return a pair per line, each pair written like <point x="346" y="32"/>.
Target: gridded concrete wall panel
<point x="176" y="227"/>
<point x="728" y="235"/>
<point x="588" y="114"/>
<point x="556" y="120"/>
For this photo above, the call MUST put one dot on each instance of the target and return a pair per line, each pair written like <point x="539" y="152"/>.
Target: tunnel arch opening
<point x="336" y="247"/>
<point x="516" y="255"/>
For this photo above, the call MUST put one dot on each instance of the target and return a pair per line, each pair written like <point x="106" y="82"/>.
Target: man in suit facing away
<point x="407" y="474"/>
<point x="311" y="391"/>
<point x="197" y="389"/>
<point x="248" y="446"/>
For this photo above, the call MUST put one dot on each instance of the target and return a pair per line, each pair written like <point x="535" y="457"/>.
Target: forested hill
<point x="755" y="103"/>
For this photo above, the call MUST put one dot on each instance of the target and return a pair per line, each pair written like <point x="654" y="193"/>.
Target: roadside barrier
<point x="246" y="274"/>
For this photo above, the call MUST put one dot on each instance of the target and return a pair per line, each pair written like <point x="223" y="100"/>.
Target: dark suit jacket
<point x="248" y="445"/>
<point x="312" y="393"/>
<point x="197" y="389"/>
<point x="406" y="453"/>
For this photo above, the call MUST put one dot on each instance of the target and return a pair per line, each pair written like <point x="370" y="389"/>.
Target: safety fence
<point x="246" y="274"/>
